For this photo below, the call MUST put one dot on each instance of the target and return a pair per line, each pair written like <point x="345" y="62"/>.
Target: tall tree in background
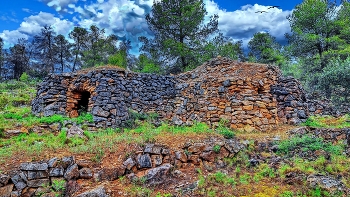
<point x="264" y="48"/>
<point x="94" y="43"/>
<point x="19" y="57"/>
<point x="63" y="52"/>
<point x="179" y="30"/>
<point x="79" y="35"/>
<point x="315" y="30"/>
<point x="45" y="45"/>
<point x="221" y="46"/>
<point x="2" y="58"/>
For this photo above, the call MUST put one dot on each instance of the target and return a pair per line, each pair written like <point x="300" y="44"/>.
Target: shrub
<point x="24" y="77"/>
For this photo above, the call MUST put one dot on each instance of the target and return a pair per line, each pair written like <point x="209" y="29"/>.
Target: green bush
<point x="24" y="77"/>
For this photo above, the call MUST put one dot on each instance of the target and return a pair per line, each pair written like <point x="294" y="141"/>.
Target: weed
<point x="287" y="194"/>
<point x="216" y="148"/>
<point x="59" y="185"/>
<point x="306" y="143"/>
<point x="244" y="179"/>
<point x="266" y="171"/>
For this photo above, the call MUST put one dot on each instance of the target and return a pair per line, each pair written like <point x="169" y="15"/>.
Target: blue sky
<point x="125" y="18"/>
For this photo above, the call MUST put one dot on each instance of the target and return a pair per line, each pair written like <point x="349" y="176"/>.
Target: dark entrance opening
<point x="83" y="102"/>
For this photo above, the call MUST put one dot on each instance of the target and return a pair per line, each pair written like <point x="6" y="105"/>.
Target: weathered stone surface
<point x="153" y="149"/>
<point x="180" y="155"/>
<point x="4" y="179"/>
<point x="72" y="172"/>
<point x="56" y="172"/>
<point x="52" y="162"/>
<point x="38" y="182"/>
<point x="324" y="182"/>
<point x="207" y="93"/>
<point x="85" y="173"/>
<point x="233" y="146"/>
<point x="196" y="147"/>
<point x="111" y="174"/>
<point x="144" y="161"/>
<point x="6" y="190"/>
<point x="28" y="192"/>
<point x="19" y="180"/>
<point x="208" y="156"/>
<point x="129" y="163"/>
<point x="37" y="175"/>
<point x="75" y="131"/>
<point x="67" y="161"/>
<point x="98" y="192"/>
<point x="157" y="175"/>
<point x="34" y="166"/>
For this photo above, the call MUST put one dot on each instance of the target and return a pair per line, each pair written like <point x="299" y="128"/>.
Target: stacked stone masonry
<point x="247" y="95"/>
<point x="153" y="162"/>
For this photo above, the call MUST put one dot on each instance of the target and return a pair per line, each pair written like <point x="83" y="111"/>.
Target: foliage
<point x="118" y="59"/>
<point x="328" y="121"/>
<point x="224" y="130"/>
<point x="264" y="49"/>
<point x="179" y="30"/>
<point x="305" y="143"/>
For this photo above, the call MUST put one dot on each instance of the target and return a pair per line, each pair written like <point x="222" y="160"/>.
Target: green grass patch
<point x="328" y="121"/>
<point x="306" y="143"/>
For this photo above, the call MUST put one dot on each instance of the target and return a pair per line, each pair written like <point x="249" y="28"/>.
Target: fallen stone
<point x="52" y="162"/>
<point x="196" y="147"/>
<point x="85" y="173"/>
<point x="72" y="172"/>
<point x="157" y="175"/>
<point x="110" y="174"/>
<point x="328" y="183"/>
<point x="4" y="179"/>
<point x="75" y="131"/>
<point x="129" y="163"/>
<point x="98" y="192"/>
<point x="67" y="161"/>
<point x="19" y="182"/>
<point x="6" y="190"/>
<point x="181" y="156"/>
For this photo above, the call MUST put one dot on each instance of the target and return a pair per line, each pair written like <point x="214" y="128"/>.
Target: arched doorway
<point x="78" y="102"/>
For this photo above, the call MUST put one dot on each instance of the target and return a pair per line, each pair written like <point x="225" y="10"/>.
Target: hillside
<point x="60" y="156"/>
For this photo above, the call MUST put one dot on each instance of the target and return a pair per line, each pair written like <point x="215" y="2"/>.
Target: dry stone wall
<point x="153" y="162"/>
<point x="247" y="95"/>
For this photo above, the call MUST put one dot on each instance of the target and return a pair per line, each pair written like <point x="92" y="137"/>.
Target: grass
<point x="306" y="143"/>
<point x="328" y="121"/>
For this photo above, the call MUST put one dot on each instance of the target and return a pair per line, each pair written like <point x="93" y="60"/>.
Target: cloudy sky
<point x="125" y="18"/>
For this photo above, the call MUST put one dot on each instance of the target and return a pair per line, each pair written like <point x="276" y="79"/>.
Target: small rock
<point x="75" y="131"/>
<point x="6" y="190"/>
<point x="144" y="161"/>
<point x="67" y="161"/>
<point x="56" y="172"/>
<point x="328" y="183"/>
<point x="37" y="175"/>
<point x="85" y="173"/>
<point x="72" y="172"/>
<point x="97" y="192"/>
<point x="253" y="162"/>
<point x="4" y="179"/>
<point x="157" y="175"/>
<point x="129" y="163"/>
<point x="181" y="156"/>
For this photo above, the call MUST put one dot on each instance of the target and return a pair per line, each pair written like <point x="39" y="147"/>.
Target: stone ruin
<point x="247" y="95"/>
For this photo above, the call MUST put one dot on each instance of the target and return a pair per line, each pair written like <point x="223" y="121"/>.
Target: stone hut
<point x="248" y="95"/>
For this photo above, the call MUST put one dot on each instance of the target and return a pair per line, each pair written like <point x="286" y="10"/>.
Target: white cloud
<point x="59" y="5"/>
<point x="243" y="23"/>
<point x="32" y="25"/>
<point x="11" y="37"/>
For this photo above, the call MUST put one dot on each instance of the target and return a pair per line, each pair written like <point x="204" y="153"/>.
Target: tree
<point x="265" y="49"/>
<point x="221" y="46"/>
<point x="2" y="58"/>
<point x="315" y="29"/>
<point x="63" y="52"/>
<point x="45" y="45"/>
<point x="179" y="30"/>
<point x="79" y="35"/>
<point x="94" y="46"/>
<point x="18" y="58"/>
